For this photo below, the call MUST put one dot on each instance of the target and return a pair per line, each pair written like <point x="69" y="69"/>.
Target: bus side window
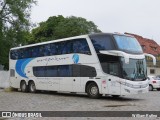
<point x="103" y="42"/>
<point x="39" y="71"/>
<point x="47" y="50"/>
<point x="53" y="49"/>
<point x="113" y="69"/>
<point x="81" y="46"/>
<point x="35" y="51"/>
<point x="67" y="47"/>
<point x="76" y="70"/>
<point x="87" y="71"/>
<point x="51" y="71"/>
<point x="14" y="55"/>
<point x="105" y="67"/>
<point x="65" y="71"/>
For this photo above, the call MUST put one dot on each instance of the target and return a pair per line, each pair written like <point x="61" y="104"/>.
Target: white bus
<point x="97" y="64"/>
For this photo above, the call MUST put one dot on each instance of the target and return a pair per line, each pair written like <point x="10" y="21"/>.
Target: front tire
<point x="23" y="86"/>
<point x="93" y="91"/>
<point x="32" y="87"/>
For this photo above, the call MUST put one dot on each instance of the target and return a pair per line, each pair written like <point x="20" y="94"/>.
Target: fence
<point x="4" y="79"/>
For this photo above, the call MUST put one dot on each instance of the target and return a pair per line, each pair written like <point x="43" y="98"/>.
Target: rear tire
<point x="23" y="86"/>
<point x="150" y="88"/>
<point x="32" y="87"/>
<point x="93" y="91"/>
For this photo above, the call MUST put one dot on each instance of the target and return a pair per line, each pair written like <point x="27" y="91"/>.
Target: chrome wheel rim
<point x="94" y="90"/>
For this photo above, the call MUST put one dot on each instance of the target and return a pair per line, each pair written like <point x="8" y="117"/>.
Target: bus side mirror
<point x="117" y="53"/>
<point x="154" y="58"/>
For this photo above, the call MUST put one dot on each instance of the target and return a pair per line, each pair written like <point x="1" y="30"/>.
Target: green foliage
<point x="57" y="27"/>
<point x="14" y="25"/>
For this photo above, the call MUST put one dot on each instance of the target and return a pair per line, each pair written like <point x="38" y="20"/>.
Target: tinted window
<point x="51" y="71"/>
<point x="113" y="69"/>
<point x="108" y="63"/>
<point x="105" y="67"/>
<point x="27" y="52"/>
<point x="13" y="54"/>
<point x="84" y="71"/>
<point x="59" y="46"/>
<point x="53" y="47"/>
<point x="87" y="71"/>
<point x="67" y="47"/>
<point x="35" y="51"/>
<point x="12" y="73"/>
<point x="71" y="46"/>
<point x="47" y="50"/>
<point x="21" y="53"/>
<point x="102" y="42"/>
<point x="76" y="70"/>
<point x="81" y="46"/>
<point x="41" y="51"/>
<point x="39" y="71"/>
<point x="65" y="71"/>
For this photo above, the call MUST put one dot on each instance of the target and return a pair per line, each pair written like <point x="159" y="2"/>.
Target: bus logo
<point x="75" y="58"/>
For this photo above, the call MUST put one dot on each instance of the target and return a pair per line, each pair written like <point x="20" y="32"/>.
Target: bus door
<point x="114" y="86"/>
<point x="76" y="84"/>
<point x="76" y="79"/>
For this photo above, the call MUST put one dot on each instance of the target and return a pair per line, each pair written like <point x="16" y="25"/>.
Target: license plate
<point x="139" y="91"/>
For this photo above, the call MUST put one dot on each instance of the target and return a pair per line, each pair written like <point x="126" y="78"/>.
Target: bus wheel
<point x="23" y="86"/>
<point x="32" y="87"/>
<point x="93" y="91"/>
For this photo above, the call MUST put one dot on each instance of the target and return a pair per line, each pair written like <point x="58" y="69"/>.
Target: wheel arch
<point x="30" y="81"/>
<point x="22" y="81"/>
<point x="91" y="81"/>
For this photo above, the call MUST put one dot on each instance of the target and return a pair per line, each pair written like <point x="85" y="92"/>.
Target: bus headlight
<point x="134" y="86"/>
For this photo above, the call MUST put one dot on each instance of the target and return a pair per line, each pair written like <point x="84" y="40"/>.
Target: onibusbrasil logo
<point x="75" y="58"/>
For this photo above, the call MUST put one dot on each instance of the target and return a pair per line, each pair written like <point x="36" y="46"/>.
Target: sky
<point x="141" y="17"/>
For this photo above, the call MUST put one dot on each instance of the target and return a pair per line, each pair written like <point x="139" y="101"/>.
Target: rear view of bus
<point x="123" y="62"/>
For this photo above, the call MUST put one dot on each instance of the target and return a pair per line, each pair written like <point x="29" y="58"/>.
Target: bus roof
<point x="69" y="38"/>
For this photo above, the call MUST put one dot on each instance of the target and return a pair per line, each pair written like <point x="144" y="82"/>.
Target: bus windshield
<point x="128" y="44"/>
<point x="136" y="70"/>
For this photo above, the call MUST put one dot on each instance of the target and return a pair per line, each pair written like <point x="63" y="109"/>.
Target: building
<point x="151" y="47"/>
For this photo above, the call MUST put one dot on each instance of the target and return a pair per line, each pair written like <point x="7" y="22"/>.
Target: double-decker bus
<point x="96" y="64"/>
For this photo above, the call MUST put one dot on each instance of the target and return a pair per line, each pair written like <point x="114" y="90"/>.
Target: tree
<point x="14" y="24"/>
<point x="57" y="27"/>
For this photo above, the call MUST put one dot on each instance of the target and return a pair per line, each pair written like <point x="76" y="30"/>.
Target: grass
<point x="9" y="89"/>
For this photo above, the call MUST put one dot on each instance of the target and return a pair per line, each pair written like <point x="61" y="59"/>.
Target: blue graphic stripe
<point x="21" y="65"/>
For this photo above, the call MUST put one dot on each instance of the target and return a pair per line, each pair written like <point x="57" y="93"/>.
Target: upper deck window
<point x="79" y="45"/>
<point x="128" y="44"/>
<point x="102" y="42"/>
